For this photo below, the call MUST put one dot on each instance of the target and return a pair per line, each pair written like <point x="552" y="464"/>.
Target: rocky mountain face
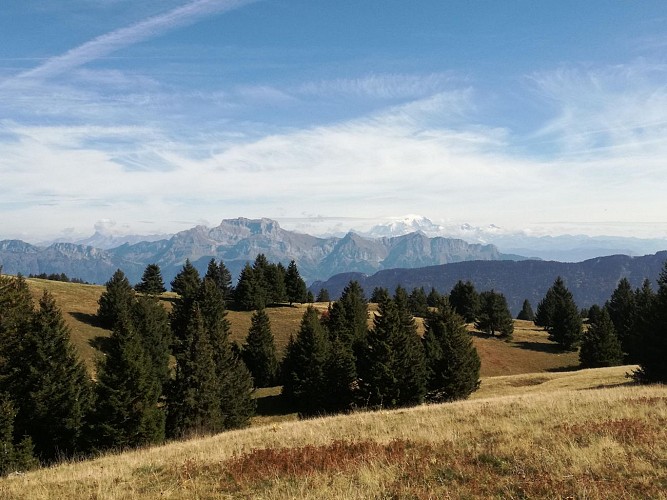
<point x="591" y="281"/>
<point x="237" y="241"/>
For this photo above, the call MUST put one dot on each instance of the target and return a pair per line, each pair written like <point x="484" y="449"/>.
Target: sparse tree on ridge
<point x="526" y="312"/>
<point x="494" y="315"/>
<point x="151" y="281"/>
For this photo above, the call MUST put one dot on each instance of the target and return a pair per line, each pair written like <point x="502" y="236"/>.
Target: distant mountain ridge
<point x="591" y="281"/>
<point x="237" y="241"/>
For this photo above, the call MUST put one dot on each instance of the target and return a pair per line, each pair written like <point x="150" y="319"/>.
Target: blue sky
<point x="549" y="117"/>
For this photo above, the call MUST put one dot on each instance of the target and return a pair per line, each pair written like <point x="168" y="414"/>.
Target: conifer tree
<point x="116" y="300"/>
<point x="465" y="300"/>
<point x="600" y="346"/>
<point x="186" y="284"/>
<point x="303" y="370"/>
<point x="127" y="414"/>
<point x="276" y="284"/>
<point x="526" y="312"/>
<point x="652" y="351"/>
<point x="379" y="382"/>
<point x="13" y="457"/>
<point x="236" y="403"/>
<point x="52" y="390"/>
<point x="434" y="298"/>
<point x="418" y="302"/>
<point x="494" y="315"/>
<point x="352" y="313"/>
<point x="645" y="299"/>
<point x="246" y="296"/>
<point x="221" y="277"/>
<point x="296" y="287"/>
<point x="566" y="325"/>
<point x="545" y="308"/>
<point x="323" y="296"/>
<point x="259" y="351"/>
<point x="151" y="282"/>
<point x="194" y="400"/>
<point x="451" y="357"/>
<point x="340" y="377"/>
<point x="410" y="365"/>
<point x="16" y="309"/>
<point x="260" y="281"/>
<point x="622" y="311"/>
<point x="379" y="294"/>
<point x="151" y="322"/>
<point x="187" y="281"/>
<point x="594" y="314"/>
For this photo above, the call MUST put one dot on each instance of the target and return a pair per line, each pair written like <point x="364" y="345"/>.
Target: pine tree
<point x="194" y="400"/>
<point x="115" y="301"/>
<point x="303" y="370"/>
<point x="52" y="390"/>
<point x="127" y="414"/>
<point x="465" y="300"/>
<point x="622" y="310"/>
<point x="600" y="346"/>
<point x="451" y="357"/>
<point x="151" y="282"/>
<point x="494" y="315"/>
<point x="652" y="351"/>
<point x="259" y="351"/>
<point x="526" y="313"/>
<point x="296" y="287"/>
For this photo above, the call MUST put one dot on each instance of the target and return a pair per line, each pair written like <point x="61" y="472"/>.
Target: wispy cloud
<point x="124" y="37"/>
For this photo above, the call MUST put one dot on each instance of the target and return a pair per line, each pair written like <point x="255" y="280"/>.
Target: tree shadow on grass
<point x="563" y="369"/>
<point x="100" y="343"/>
<point x="269" y="406"/>
<point x="539" y="347"/>
<point x="87" y="318"/>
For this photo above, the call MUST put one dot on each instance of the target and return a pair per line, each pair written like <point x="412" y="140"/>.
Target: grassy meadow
<point x="536" y="428"/>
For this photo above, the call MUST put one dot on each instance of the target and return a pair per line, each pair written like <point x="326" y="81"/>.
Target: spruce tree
<point x="645" y="299"/>
<point x="377" y="367"/>
<point x="151" y="282"/>
<point x="622" y="310"/>
<point x="600" y="346"/>
<point x="236" y="403"/>
<point x="259" y="351"/>
<point x="340" y="375"/>
<point x="116" y="300"/>
<point x="410" y="365"/>
<point x="260" y="282"/>
<point x="303" y="370"/>
<point x="379" y="294"/>
<point x="246" y="296"/>
<point x="353" y="312"/>
<point x="276" y="284"/>
<point x="52" y="389"/>
<point x="13" y="457"/>
<point x="127" y="414"/>
<point x="193" y="405"/>
<point x="418" y="302"/>
<point x="526" y="312"/>
<point x="451" y="357"/>
<point x="566" y="325"/>
<point x="221" y="277"/>
<point x="323" y="296"/>
<point x="545" y="308"/>
<point x="16" y="309"/>
<point x="465" y="300"/>
<point x="652" y="351"/>
<point x="187" y="281"/>
<point x="296" y="287"/>
<point x="151" y="323"/>
<point x="494" y="315"/>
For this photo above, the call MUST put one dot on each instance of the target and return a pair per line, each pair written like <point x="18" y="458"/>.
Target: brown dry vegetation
<point x="570" y="442"/>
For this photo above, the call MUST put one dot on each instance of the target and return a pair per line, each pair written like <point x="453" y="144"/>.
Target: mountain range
<point x="591" y="281"/>
<point x="237" y="241"/>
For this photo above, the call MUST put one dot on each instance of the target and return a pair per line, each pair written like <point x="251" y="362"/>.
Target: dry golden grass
<point x="567" y="442"/>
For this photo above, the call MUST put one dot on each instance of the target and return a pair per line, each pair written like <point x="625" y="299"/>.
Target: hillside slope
<point x="602" y="443"/>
